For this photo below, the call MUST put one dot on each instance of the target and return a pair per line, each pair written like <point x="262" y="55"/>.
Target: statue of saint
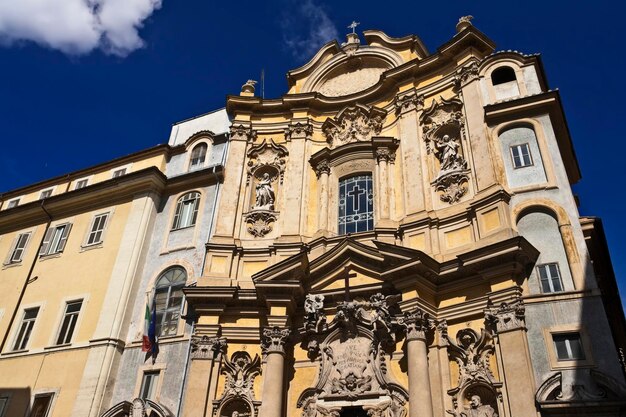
<point x="264" y="194"/>
<point x="477" y="409"/>
<point x="447" y="150"/>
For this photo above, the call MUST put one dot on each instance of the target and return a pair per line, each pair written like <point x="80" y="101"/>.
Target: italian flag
<point x="149" y="331"/>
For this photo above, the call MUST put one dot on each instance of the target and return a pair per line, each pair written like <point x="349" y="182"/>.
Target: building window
<point x="72" y="309"/>
<point x="356" y="204"/>
<point x="568" y="346"/>
<point x="45" y="194"/>
<point x="521" y="156"/>
<point x="17" y="252"/>
<point x="4" y="405"/>
<point x="198" y="155"/>
<point x="186" y="211"/>
<point x="550" y="278"/>
<point x="96" y="230"/>
<point x="503" y="75"/>
<point x="119" y="172"/>
<point x="13" y="203"/>
<point x="81" y="184"/>
<point x="149" y="385"/>
<point x="26" y="328"/>
<point x="41" y="405"/>
<point x="168" y="300"/>
<point x="55" y="239"/>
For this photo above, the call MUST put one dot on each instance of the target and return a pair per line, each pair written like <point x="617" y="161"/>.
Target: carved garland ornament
<point x="354" y="124"/>
<point x="237" y="400"/>
<point x="443" y="129"/>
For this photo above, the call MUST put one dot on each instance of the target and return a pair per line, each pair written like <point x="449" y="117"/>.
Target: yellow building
<point x="395" y="236"/>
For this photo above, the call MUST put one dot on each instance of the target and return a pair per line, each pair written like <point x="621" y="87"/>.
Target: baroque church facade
<point x="396" y="236"/>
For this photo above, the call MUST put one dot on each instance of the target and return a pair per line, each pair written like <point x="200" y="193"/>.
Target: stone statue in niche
<point x="264" y="194"/>
<point x="447" y="151"/>
<point x="476" y="409"/>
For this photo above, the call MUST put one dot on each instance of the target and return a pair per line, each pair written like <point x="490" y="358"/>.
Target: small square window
<point x="568" y="346"/>
<point x="521" y="156"/>
<point x="13" y="203"/>
<point x="149" y="385"/>
<point x="119" y="172"/>
<point x="550" y="278"/>
<point x="45" y="194"/>
<point x="81" y="184"/>
<point x="41" y="405"/>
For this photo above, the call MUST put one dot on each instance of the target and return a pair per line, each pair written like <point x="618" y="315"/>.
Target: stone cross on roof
<point x="353" y="26"/>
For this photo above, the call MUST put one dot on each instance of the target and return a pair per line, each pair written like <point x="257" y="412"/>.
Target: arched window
<point x="168" y="298"/>
<point x="198" y="155"/>
<point x="504" y="83"/>
<point x="503" y="75"/>
<point x="186" y="211"/>
<point x="356" y="204"/>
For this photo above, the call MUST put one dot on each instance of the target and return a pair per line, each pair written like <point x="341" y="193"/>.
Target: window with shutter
<point x="96" y="230"/>
<point x="55" y="239"/>
<point x="186" y="211"/>
<point x="17" y="250"/>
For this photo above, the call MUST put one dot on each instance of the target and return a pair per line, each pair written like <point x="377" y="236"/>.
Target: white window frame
<point x="52" y="394"/>
<point x="19" y="344"/>
<point x="190" y="215"/>
<point x="46" y="190"/>
<point x="13" y="203"/>
<point x="78" y="181"/>
<point x="551" y="279"/>
<point x="126" y="169"/>
<point x="102" y="230"/>
<point x="154" y="375"/>
<point x="568" y="347"/>
<point x="15" y="247"/>
<point x="521" y="155"/>
<point x="54" y="243"/>
<point x="73" y="318"/>
<point x="201" y="164"/>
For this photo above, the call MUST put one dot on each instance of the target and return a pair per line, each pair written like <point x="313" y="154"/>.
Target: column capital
<point x="299" y="130"/>
<point x="239" y="131"/>
<point x="273" y="339"/>
<point x="466" y="74"/>
<point x="408" y="101"/>
<point x="386" y="155"/>
<point x="507" y="316"/>
<point x="205" y="347"/>
<point x="416" y="324"/>
<point x="322" y="167"/>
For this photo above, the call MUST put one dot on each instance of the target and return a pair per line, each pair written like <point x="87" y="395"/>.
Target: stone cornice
<point x="104" y="194"/>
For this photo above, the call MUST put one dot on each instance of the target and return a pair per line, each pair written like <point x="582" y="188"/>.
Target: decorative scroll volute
<point x="507" y="316"/>
<point x="205" y="347"/>
<point x="273" y="340"/>
<point x="354" y="124"/>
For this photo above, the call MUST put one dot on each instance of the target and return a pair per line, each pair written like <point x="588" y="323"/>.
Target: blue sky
<point x="79" y="86"/>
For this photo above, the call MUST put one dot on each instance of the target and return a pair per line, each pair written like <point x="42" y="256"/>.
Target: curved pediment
<point x="337" y="71"/>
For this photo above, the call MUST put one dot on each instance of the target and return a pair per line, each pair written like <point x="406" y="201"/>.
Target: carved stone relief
<point x="466" y="74"/>
<point x="444" y="129"/>
<point x="205" y="347"/>
<point x="266" y="167"/>
<point x="237" y="400"/>
<point x="407" y="101"/>
<point x="299" y="129"/>
<point x="353" y="355"/>
<point x="241" y="132"/>
<point x="507" y="316"/>
<point x="273" y="340"/>
<point x="477" y="391"/>
<point x="354" y="124"/>
<point x="584" y="385"/>
<point x="351" y="82"/>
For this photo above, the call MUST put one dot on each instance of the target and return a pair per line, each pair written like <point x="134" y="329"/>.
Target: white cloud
<point x="76" y="26"/>
<point x="311" y="19"/>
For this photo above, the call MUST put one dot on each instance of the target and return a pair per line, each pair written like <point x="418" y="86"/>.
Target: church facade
<point x="395" y="236"/>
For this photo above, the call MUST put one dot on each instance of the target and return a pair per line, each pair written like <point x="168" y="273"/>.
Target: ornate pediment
<point x="267" y="153"/>
<point x="354" y="124"/>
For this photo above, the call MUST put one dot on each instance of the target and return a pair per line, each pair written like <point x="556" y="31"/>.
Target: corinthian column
<point x="382" y="155"/>
<point x="273" y="344"/>
<point x="416" y="324"/>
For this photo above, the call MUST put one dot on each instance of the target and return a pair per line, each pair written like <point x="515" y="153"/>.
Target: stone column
<point x="273" y="344"/>
<point x="507" y="320"/>
<point x="416" y="324"/>
<point x="205" y="353"/>
<point x="323" y="170"/>
<point x="382" y="155"/>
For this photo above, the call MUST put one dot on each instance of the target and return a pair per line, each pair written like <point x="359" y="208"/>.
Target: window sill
<point x="11" y="265"/>
<point x="55" y="347"/>
<point x="85" y="248"/>
<point x="572" y="364"/>
<point x="49" y="256"/>
<point x="14" y="352"/>
<point x="183" y="228"/>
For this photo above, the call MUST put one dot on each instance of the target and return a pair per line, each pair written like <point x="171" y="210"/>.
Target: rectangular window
<point x="521" y="155"/>
<point x="26" y="328"/>
<point x="41" y="405"/>
<point x="550" y="278"/>
<point x="186" y="211"/>
<point x="45" y="194"/>
<point x="17" y="252"/>
<point x="4" y="405"/>
<point x="13" y="203"/>
<point x="55" y="239"/>
<point x="97" y="228"/>
<point x="149" y="384"/>
<point x="81" y="184"/>
<point x="119" y="172"/>
<point x="356" y="204"/>
<point x="68" y="324"/>
<point x="568" y="346"/>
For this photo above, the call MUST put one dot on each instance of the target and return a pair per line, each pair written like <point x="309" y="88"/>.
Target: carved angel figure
<point x="314" y="310"/>
<point x="264" y="193"/>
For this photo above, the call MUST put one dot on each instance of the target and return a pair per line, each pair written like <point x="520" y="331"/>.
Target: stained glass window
<point x="356" y="204"/>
